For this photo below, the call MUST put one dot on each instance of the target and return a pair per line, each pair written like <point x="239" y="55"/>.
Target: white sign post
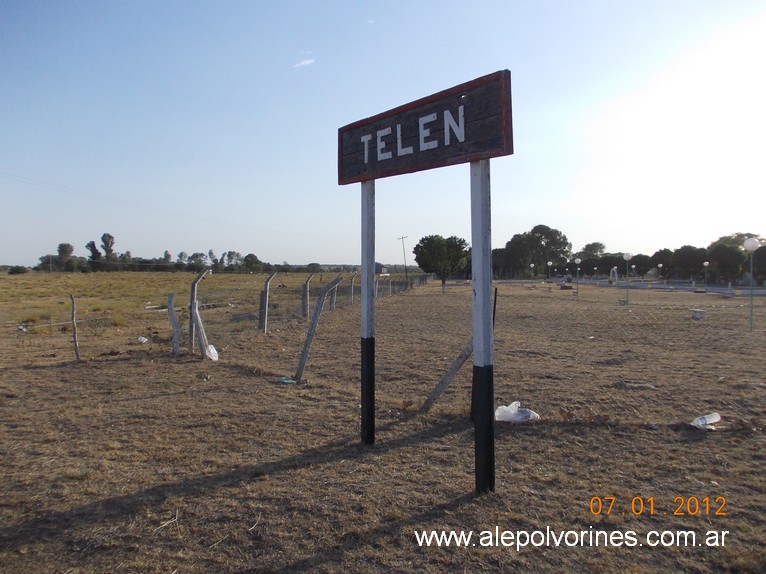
<point x="368" y="312"/>
<point x="482" y="391"/>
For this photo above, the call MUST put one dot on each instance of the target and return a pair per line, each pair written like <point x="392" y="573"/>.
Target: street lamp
<point x="532" y="267"/>
<point x="549" y="269"/>
<point x="627" y="257"/>
<point x="659" y="270"/>
<point x="595" y="272"/>
<point x="577" y="262"/>
<point x="705" y="264"/>
<point x="751" y="244"/>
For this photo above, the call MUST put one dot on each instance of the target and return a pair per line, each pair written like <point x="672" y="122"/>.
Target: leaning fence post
<point x="312" y="329"/>
<point x="448" y="376"/>
<point x="263" y="315"/>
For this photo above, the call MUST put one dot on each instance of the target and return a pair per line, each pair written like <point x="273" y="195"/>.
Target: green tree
<point x="107" y="244"/>
<point x="759" y="262"/>
<point x="440" y="256"/>
<point x="726" y="260"/>
<point x="665" y="257"/>
<point x="733" y="240"/>
<point x="539" y="245"/>
<point x="196" y="262"/>
<point x="500" y="266"/>
<point x="688" y="260"/>
<point x="549" y="244"/>
<point x="95" y="262"/>
<point x="590" y="256"/>
<point x="591" y="251"/>
<point x="252" y="264"/>
<point x="643" y="264"/>
<point x="518" y="254"/>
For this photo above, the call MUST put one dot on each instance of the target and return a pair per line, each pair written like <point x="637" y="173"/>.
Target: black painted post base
<point x="368" y="390"/>
<point x="484" y="427"/>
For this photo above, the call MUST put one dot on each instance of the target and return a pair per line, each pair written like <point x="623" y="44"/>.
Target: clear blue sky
<point x="192" y="126"/>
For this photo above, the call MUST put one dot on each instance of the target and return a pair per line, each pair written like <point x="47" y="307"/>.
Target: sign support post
<point x="482" y="391"/>
<point x="468" y="123"/>
<point x="368" y="312"/>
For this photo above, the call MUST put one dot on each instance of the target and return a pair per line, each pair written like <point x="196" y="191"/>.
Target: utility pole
<point x="404" y="255"/>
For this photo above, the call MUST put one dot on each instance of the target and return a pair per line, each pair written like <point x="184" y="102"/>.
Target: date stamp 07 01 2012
<point x="638" y="506"/>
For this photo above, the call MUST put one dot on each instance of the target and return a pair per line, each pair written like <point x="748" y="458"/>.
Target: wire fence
<point x="133" y="316"/>
<point x="646" y="337"/>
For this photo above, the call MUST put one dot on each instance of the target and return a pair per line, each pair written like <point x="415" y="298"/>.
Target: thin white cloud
<point x="307" y="62"/>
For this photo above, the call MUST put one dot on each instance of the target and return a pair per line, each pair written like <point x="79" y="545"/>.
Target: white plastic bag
<point x="706" y="422"/>
<point x="514" y="413"/>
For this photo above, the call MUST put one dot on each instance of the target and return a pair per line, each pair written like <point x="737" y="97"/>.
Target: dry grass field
<point x="133" y="460"/>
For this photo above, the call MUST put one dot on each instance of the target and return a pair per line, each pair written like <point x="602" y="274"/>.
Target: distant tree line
<point x="104" y="258"/>
<point x="545" y="252"/>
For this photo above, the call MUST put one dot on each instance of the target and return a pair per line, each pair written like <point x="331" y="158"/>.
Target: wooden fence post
<point x="74" y="328"/>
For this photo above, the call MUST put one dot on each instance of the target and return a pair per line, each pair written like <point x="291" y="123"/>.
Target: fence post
<point x="305" y="298"/>
<point x="333" y="296"/>
<point x="193" y="307"/>
<point x="263" y="314"/>
<point x="74" y="329"/>
<point x="314" y="323"/>
<point x="353" y="279"/>
<point x="174" y="322"/>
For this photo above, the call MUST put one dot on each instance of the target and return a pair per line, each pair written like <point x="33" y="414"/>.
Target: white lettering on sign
<point x="400" y="151"/>
<point x="457" y="128"/>
<point x="425" y="132"/>
<point x="366" y="141"/>
<point x="452" y="127"/>
<point x="381" y="144"/>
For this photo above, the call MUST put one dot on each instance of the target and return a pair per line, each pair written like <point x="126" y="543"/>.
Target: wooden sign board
<point x="469" y="122"/>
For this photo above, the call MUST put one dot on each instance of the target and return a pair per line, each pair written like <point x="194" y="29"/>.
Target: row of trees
<point x="543" y="252"/>
<point x="103" y="257"/>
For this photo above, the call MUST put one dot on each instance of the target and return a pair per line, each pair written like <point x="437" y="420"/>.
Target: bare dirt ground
<point x="135" y="461"/>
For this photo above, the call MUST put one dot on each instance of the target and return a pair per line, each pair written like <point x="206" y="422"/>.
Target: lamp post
<point x="549" y="269"/>
<point x="532" y="267"/>
<point x="627" y="257"/>
<point x="577" y="262"/>
<point x="659" y="270"/>
<point x="751" y="244"/>
<point x="595" y="272"/>
<point x="705" y="264"/>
